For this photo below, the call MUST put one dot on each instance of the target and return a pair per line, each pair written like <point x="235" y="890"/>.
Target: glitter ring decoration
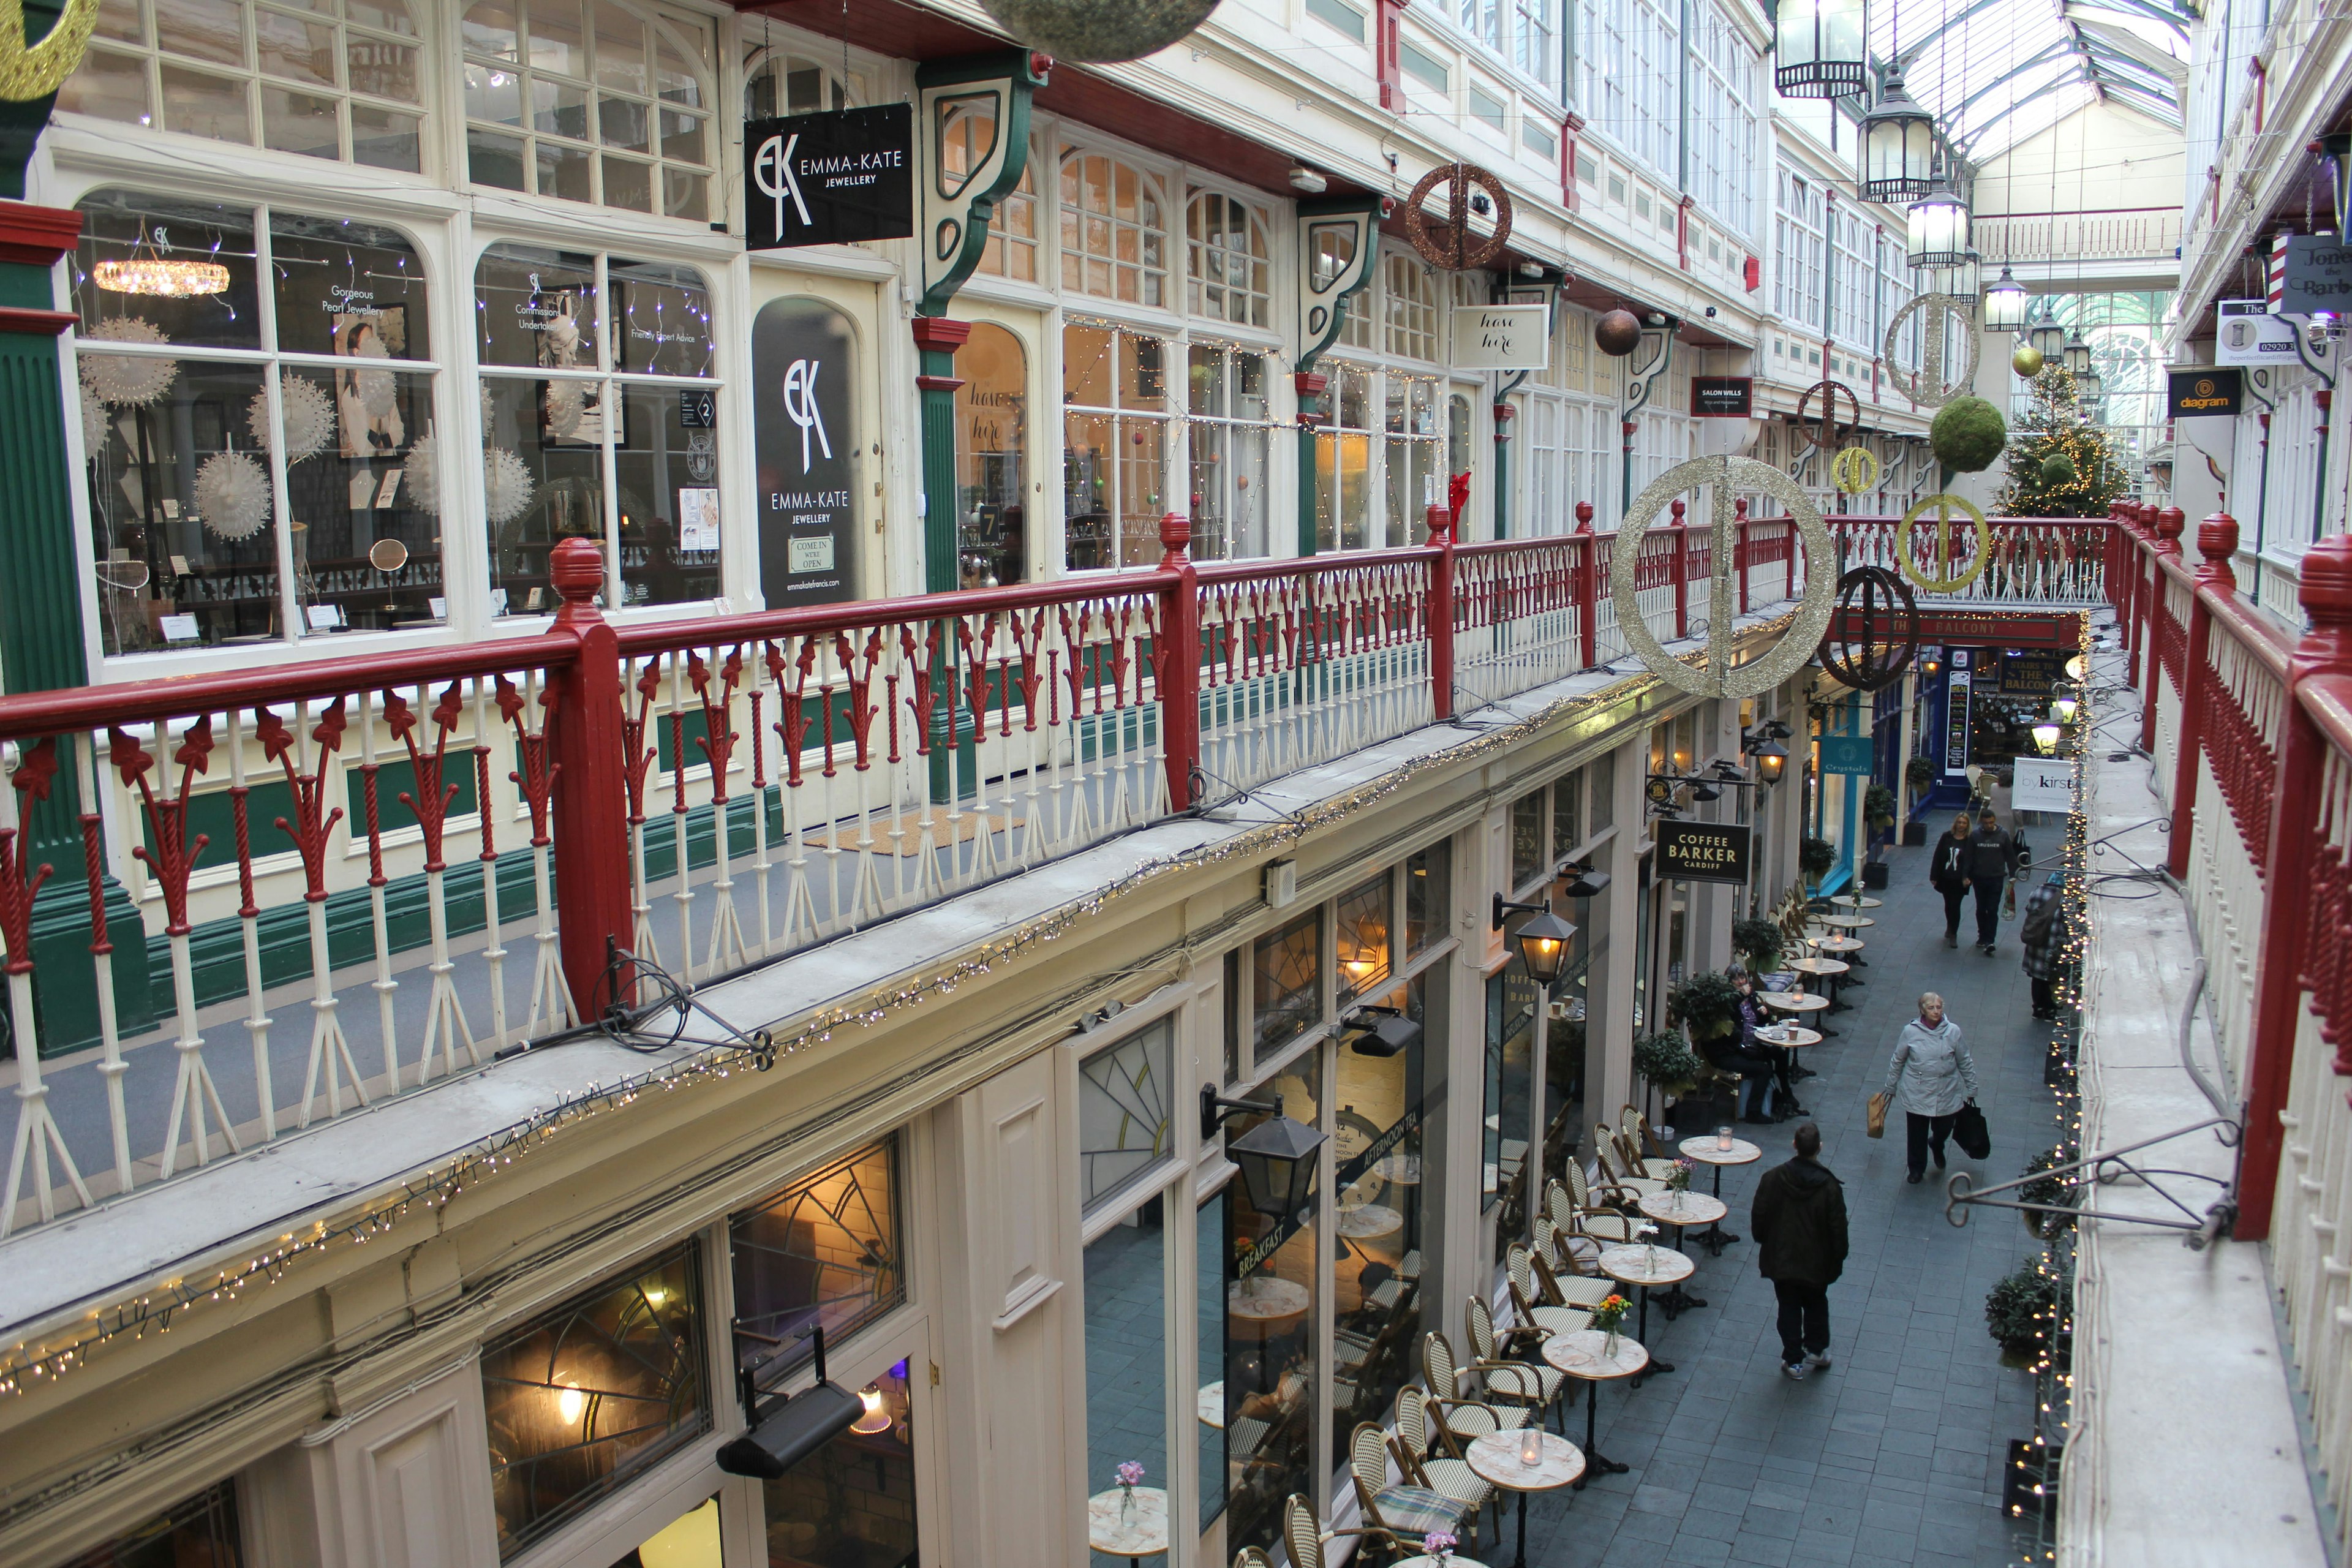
<point x="1949" y="581"/>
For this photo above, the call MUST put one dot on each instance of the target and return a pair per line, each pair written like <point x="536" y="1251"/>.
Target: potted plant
<point x="1919" y="772"/>
<point x="1814" y="859"/>
<point x="1666" y="1060"/>
<point x="1707" y="1004"/>
<point x="2025" y="1313"/>
<point x="2056" y="1191"/>
<point x="1760" y="943"/>
<point x="1878" y="807"/>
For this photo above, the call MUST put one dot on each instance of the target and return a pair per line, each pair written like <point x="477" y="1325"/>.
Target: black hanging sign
<point x="1700" y="851"/>
<point x="1723" y="396"/>
<point x="804" y="438"/>
<point x="2207" y="391"/>
<point x="829" y="178"/>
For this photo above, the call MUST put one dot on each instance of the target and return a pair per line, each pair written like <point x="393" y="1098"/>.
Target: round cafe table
<point x="1642" y="1264"/>
<point x="1704" y="1149"/>
<point x="1796" y="1002"/>
<point x="1828" y="969"/>
<point x="1142" y="1532"/>
<point x="1682" y="1211"/>
<point x="1846" y="925"/>
<point x="1454" y="1561"/>
<point x="1584" y="1354"/>
<point x="1788" y="1035"/>
<point x="1495" y="1460"/>
<point x="1211" y="1402"/>
<point x="1856" y="901"/>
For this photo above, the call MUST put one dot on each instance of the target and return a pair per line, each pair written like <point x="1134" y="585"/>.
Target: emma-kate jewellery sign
<point x="829" y="178"/>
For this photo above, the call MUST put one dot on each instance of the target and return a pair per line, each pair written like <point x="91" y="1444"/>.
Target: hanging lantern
<point x="2088" y="387"/>
<point x="2005" y="304"/>
<point x="2078" y="357"/>
<point x="1939" y="228"/>
<point x="2046" y="338"/>
<point x="1822" y="49"/>
<point x="1898" y="146"/>
<point x="1965" y="282"/>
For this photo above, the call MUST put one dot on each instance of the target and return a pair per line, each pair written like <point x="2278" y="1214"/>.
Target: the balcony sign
<point x="1700" y="851"/>
<point x="805" y="447"/>
<point x="829" y="178"/>
<point x="1502" y="337"/>
<point x="1723" y="476"/>
<point x="1723" y="396"/>
<point x="2318" y="277"/>
<point x="2203" y="393"/>
<point x="2249" y="334"/>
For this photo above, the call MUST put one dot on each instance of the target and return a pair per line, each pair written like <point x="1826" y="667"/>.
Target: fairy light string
<point x="31" y="1365"/>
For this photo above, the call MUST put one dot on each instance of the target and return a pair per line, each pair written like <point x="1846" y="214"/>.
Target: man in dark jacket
<point x="2043" y="936"/>
<point x="1948" y="873"/>
<point x="1991" y="861"/>
<point x="1799" y="1224"/>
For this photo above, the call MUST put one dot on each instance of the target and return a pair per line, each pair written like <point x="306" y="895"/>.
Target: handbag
<point x="1970" y="1131"/>
<point x="1877" y="1118"/>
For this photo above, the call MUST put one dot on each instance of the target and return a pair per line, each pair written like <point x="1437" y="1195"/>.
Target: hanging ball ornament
<point x="232" y="495"/>
<point x="124" y="381"/>
<point x="506" y="486"/>
<point x="2027" y="361"/>
<point x="2058" y="468"/>
<point x="310" y="418"/>
<point x="1967" y="434"/>
<point x="1097" y="33"/>
<point x="1617" y="334"/>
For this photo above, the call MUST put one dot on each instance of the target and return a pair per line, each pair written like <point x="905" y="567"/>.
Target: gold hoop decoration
<point x="1450" y="242"/>
<point x="1925" y="386"/>
<point x="30" y="72"/>
<point x="1854" y="470"/>
<point x="1943" y="560"/>
<point x="1829" y="390"/>
<point x="1803" y="635"/>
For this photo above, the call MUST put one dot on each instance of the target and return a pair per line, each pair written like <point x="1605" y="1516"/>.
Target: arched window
<point x="614" y="110"/>
<point x="327" y="78"/>
<point x="1228" y="252"/>
<point x="1410" y="293"/>
<point x="1114" y="231"/>
<point x="992" y="458"/>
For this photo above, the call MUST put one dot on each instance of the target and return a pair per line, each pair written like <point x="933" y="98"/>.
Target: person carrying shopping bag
<point x="1931" y="1077"/>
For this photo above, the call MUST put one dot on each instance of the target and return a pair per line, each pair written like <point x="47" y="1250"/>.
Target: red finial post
<point x="1441" y="520"/>
<point x="2217" y="541"/>
<point x="2169" y="522"/>
<point x="1740" y="551"/>
<point x="1177" y="663"/>
<point x="2278" y="980"/>
<point x="1680" y="532"/>
<point x="591" y="819"/>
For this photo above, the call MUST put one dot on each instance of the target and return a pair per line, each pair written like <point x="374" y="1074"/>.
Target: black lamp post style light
<point x="2078" y="356"/>
<point x="1276" y="1157"/>
<point x="2047" y="338"/>
<point x="1822" y="46"/>
<point x="1898" y="146"/>
<point x="1763" y="744"/>
<point x="1542" y="942"/>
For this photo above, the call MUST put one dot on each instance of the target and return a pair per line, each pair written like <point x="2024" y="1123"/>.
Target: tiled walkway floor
<point x="1893" y="1455"/>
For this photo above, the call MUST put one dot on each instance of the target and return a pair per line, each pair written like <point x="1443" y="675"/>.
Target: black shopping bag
<point x="1970" y="1131"/>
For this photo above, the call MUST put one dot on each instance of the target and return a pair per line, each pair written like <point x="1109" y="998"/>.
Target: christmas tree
<point x="2084" y="484"/>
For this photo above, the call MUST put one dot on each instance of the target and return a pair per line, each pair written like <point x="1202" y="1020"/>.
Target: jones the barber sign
<point x="1700" y="851"/>
<point x="829" y="178"/>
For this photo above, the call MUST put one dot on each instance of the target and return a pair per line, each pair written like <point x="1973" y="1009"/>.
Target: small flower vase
<point x="1608" y="1345"/>
<point x="1126" y="1505"/>
<point x="1678" y="1199"/>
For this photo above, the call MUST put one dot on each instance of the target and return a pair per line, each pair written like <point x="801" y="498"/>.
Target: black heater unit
<point x="784" y="1431"/>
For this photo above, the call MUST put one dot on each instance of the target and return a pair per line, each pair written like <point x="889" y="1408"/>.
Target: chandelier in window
<point x="1939" y="228"/>
<point x="148" y="270"/>
<point x="1898" y="146"/>
<point x="1822" y="47"/>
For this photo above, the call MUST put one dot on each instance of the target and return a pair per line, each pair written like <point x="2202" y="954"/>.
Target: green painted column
<point x="936" y="342"/>
<point x="1310" y="386"/>
<point x="41" y="646"/>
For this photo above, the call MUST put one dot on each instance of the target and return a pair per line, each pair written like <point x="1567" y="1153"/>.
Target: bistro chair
<point x="1576" y="1286"/>
<point x="1508" y="1377"/>
<point x="1598" y="1212"/>
<point x="1455" y="1396"/>
<point x="1640" y="1145"/>
<point x="1440" y="1467"/>
<point x="1612" y="1163"/>
<point x="1252" y="1557"/>
<point x="1305" y="1536"/>
<point x="1528" y="1299"/>
<point x="1581" y="1252"/>
<point x="1406" y="1510"/>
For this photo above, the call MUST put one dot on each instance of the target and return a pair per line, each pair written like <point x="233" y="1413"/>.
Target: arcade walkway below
<point x="1895" y="1454"/>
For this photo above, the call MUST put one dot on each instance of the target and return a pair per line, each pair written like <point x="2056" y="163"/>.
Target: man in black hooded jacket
<point x="1799" y="1224"/>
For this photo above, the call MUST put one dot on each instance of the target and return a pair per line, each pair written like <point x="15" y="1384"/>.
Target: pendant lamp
<point x="2088" y="386"/>
<point x="2005" y="304"/>
<point x="2078" y="356"/>
<point x="1823" y="47"/>
<point x="2047" y="338"/>
<point x="1964" y="281"/>
<point x="1939" y="228"/>
<point x="1898" y="146"/>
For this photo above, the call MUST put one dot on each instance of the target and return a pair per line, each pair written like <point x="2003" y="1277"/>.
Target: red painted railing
<point x="352" y="845"/>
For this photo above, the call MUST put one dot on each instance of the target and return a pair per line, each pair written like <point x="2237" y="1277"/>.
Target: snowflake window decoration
<point x="506" y="486"/>
<point x="421" y="475"/>
<point x="310" y="418"/>
<point x="96" y="424"/>
<point x="128" y="381"/>
<point x="232" y="495"/>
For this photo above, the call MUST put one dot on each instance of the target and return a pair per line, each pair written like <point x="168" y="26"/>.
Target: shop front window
<point x="824" y="1253"/>
<point x="201" y="1533"/>
<point x="617" y="112"/>
<point x="992" y="458"/>
<point x="1362" y="930"/>
<point x="1230" y="276"/>
<point x="1213" y="1260"/>
<point x="853" y="1500"/>
<point x="1269" y="1346"/>
<point x="1427" y="896"/>
<point x="1414" y="483"/>
<point x="777" y="82"/>
<point x="1387" y="1187"/>
<point x="1113" y="232"/>
<point x="1115" y="438"/>
<point x="1287" y="995"/>
<point x="326" y="79"/>
<point x="1232" y="436"/>
<point x="1124" y="1096"/>
<point x="1567" y="812"/>
<point x="250" y="471"/>
<point x="592" y="1394"/>
<point x="1526" y="839"/>
<point x="614" y="439"/>
<point x="1343" y="463"/>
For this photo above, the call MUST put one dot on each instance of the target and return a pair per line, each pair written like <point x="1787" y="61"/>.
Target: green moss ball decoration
<point x="2058" y="468"/>
<point x="1967" y="434"/>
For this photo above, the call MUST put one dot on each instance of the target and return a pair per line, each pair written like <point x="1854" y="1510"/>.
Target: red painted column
<point x="1679" y="531"/>
<point x="1739" y="553"/>
<point x="1588" y="587"/>
<point x="1178" y="664"/>
<point x="2326" y="649"/>
<point x="2168" y="548"/>
<point x="1440" y="613"/>
<point x="1386" y="62"/>
<point x="2217" y="541"/>
<point x="590" y="812"/>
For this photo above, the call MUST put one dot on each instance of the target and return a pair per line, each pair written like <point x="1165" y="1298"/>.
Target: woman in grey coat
<point x="1931" y="1078"/>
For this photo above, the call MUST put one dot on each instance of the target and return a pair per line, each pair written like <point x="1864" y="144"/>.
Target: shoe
<point x="1755" y="1121"/>
<point x="1796" y="1371"/>
<point x="1951" y="939"/>
<point x="1916" y="1177"/>
<point x="1939" y="1159"/>
<point x="1987" y="949"/>
<point x="1819" y="1361"/>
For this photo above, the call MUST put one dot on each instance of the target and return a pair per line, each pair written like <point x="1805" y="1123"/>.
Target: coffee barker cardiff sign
<point x="1700" y="851"/>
